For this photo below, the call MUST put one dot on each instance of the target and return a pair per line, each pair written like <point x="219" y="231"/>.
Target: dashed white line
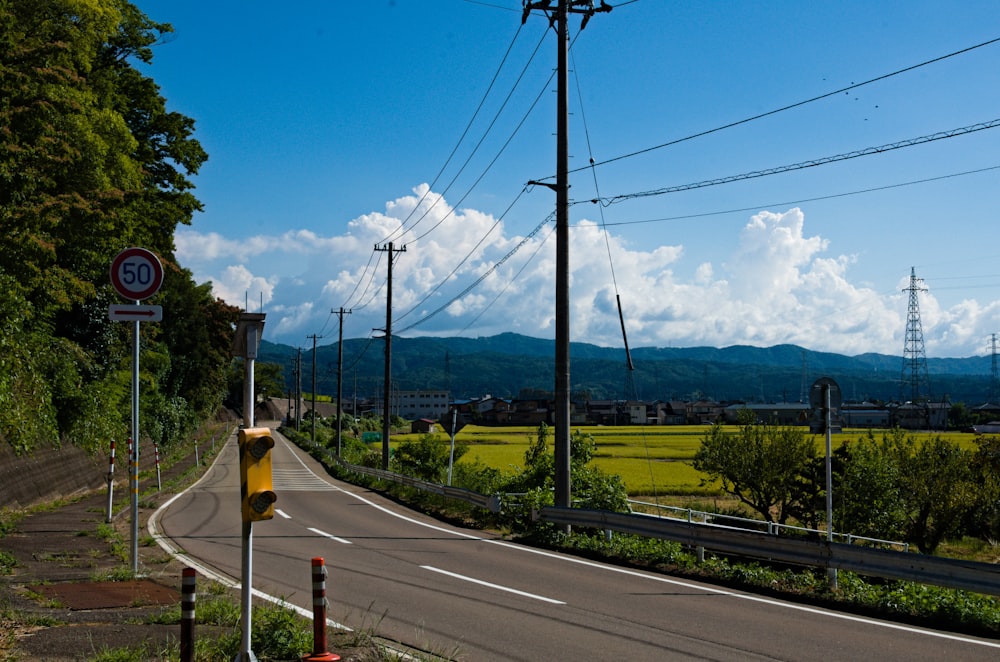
<point x="330" y="536"/>
<point x="491" y="585"/>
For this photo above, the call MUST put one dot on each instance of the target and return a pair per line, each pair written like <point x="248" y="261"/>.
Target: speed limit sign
<point x="136" y="273"/>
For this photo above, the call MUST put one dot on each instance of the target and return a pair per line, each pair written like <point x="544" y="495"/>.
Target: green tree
<point x="920" y="491"/>
<point x="426" y="458"/>
<point x="984" y="520"/>
<point x="939" y="490"/>
<point x="868" y="498"/>
<point x="91" y="161"/>
<point x="590" y="486"/>
<point x="762" y="465"/>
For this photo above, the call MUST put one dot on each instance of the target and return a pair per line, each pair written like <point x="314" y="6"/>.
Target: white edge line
<point x="675" y="582"/>
<point x="568" y="559"/>
<point x="495" y="586"/>
<point x="167" y="545"/>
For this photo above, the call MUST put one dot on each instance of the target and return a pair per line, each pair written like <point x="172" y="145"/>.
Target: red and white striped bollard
<point x="319" y="654"/>
<point x="111" y="480"/>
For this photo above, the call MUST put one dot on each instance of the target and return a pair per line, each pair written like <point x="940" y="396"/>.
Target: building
<point x="777" y="413"/>
<point x="412" y="405"/>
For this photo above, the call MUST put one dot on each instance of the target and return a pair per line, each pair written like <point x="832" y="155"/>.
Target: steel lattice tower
<point x="914" y="356"/>
<point x="993" y="369"/>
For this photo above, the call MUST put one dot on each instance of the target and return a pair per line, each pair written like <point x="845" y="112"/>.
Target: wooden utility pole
<point x="314" y="337"/>
<point x="558" y="17"/>
<point x="298" y="389"/>
<point x="340" y="378"/>
<point x="387" y="386"/>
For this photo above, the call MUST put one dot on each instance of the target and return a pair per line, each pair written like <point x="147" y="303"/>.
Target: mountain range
<point x="508" y="365"/>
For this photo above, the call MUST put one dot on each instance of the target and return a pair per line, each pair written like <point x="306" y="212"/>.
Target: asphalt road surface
<point x="467" y="595"/>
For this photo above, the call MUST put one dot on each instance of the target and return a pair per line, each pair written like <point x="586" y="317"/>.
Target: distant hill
<point x="505" y="364"/>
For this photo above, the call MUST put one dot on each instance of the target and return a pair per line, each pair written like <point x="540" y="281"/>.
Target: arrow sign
<point x="135" y="313"/>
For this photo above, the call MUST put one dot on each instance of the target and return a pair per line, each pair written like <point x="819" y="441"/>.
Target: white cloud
<point x="778" y="285"/>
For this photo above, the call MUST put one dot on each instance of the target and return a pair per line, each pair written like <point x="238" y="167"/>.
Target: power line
<point x="795" y="202"/>
<point x="481" y="278"/>
<point x="396" y="233"/>
<point x="797" y="104"/>
<point x="464" y="259"/>
<point x="868" y="151"/>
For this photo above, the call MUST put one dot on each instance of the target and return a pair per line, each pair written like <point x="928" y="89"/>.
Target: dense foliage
<point x="762" y="465"/>
<point x="91" y="162"/>
<point x="893" y="488"/>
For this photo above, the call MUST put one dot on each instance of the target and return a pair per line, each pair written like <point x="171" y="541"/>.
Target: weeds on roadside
<point x="108" y="534"/>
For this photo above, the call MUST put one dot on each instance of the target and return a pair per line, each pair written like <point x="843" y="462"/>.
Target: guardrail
<point x="951" y="573"/>
<point x="491" y="503"/>
<point x="888" y="564"/>
<point x="775" y="528"/>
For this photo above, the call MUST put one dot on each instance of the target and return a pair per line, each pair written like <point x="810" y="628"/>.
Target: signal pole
<point x="387" y="392"/>
<point x="559" y="20"/>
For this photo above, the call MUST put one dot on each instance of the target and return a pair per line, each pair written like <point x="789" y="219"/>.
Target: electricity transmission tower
<point x="914" y="356"/>
<point x="993" y="368"/>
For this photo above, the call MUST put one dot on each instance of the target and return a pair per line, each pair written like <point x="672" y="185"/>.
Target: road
<point x="468" y="595"/>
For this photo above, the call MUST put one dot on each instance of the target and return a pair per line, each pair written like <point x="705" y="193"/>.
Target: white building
<point x="412" y="405"/>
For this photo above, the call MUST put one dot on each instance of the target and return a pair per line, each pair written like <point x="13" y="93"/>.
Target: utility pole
<point x="298" y="389"/>
<point x="386" y="392"/>
<point x="340" y="377"/>
<point x="559" y="20"/>
<point x="314" y="337"/>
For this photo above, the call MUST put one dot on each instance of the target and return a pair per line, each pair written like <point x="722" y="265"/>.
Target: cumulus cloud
<point x="779" y="284"/>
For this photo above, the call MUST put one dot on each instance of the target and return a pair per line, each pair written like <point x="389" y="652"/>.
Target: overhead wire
<point x="510" y="282"/>
<point x="852" y="86"/>
<point x="831" y="196"/>
<point x="631" y="387"/>
<point x="402" y="228"/>
<point x="465" y="259"/>
<point x="868" y="151"/>
<point x="430" y="188"/>
<point x="483" y="276"/>
<point x="503" y="148"/>
<point x="489" y="166"/>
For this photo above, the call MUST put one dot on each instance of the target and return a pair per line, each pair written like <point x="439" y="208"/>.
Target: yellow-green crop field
<point x="650" y="460"/>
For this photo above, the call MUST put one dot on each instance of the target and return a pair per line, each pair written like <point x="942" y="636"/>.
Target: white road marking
<point x="496" y="586"/>
<point x="675" y="582"/>
<point x="282" y="513"/>
<point x="330" y="536"/>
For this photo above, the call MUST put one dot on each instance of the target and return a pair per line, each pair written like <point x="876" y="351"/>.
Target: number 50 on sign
<point x="136" y="274"/>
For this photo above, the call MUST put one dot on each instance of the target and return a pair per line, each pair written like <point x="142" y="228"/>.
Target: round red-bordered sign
<point x="136" y="273"/>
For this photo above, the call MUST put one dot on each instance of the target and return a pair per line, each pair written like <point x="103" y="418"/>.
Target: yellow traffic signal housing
<point x="256" y="492"/>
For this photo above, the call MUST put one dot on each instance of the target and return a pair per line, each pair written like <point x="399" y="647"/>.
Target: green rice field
<point x="650" y="460"/>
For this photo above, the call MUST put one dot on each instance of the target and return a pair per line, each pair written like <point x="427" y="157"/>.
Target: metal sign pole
<point x="831" y="572"/>
<point x="134" y="459"/>
<point x="248" y="334"/>
<point x="246" y="577"/>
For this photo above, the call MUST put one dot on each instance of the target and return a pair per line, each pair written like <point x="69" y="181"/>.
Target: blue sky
<point x="328" y="123"/>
